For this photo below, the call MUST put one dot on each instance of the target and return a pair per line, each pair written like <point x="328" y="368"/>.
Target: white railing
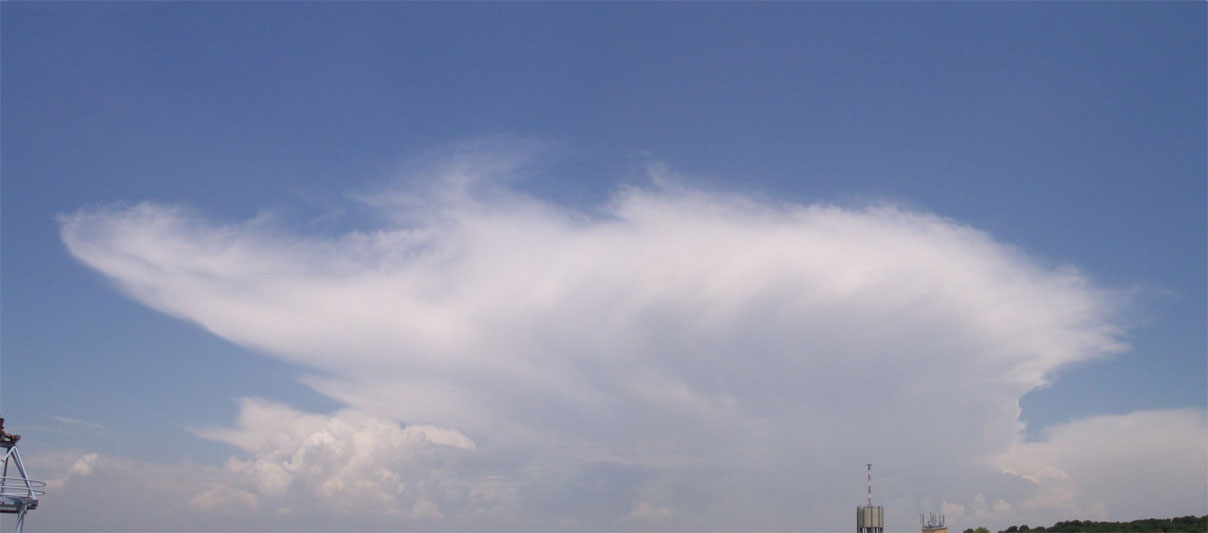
<point x="18" y="494"/>
<point x="19" y="487"/>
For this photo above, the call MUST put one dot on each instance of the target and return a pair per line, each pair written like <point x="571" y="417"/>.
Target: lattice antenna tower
<point x="933" y="523"/>
<point x="18" y="493"/>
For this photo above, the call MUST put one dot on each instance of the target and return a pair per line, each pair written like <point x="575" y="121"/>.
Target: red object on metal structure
<point x="869" y="485"/>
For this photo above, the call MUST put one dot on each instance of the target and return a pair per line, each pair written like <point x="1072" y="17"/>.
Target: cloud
<point x="82" y="467"/>
<point x="727" y="357"/>
<point x="305" y="472"/>
<point x="77" y="421"/>
<point x="645" y="511"/>
<point x="1078" y="467"/>
<point x="352" y="462"/>
<point x="88" y="491"/>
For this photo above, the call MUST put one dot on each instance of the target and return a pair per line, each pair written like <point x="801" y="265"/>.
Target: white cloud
<point x="645" y="511"/>
<point x="82" y="467"/>
<point x="226" y="498"/>
<point x="87" y="491"/>
<point x="352" y="462"/>
<point x="1080" y="467"/>
<point x="77" y="421"/>
<point x="347" y="471"/>
<point x="292" y="471"/>
<point x="675" y="345"/>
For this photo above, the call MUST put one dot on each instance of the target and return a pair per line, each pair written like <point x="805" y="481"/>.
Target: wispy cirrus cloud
<point x="78" y="422"/>
<point x="703" y="352"/>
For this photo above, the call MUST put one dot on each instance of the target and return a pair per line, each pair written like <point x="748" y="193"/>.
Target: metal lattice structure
<point x="18" y="493"/>
<point x="933" y="523"/>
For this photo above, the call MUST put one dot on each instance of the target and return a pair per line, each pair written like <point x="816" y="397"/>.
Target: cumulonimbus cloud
<point x="674" y="333"/>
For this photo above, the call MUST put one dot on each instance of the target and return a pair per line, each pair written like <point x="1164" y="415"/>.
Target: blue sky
<point x="1030" y="166"/>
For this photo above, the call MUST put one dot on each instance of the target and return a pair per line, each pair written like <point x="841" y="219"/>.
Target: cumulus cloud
<point x="88" y="491"/>
<point x="704" y="350"/>
<point x="644" y="511"/>
<point x="82" y="467"/>
<point x="1079" y="467"/>
<point x="310" y="472"/>
<point x="350" y="462"/>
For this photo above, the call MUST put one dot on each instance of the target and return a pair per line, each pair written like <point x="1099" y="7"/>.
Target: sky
<point x="604" y="266"/>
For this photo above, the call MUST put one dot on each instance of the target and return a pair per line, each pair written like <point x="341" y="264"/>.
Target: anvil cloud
<point x="673" y="358"/>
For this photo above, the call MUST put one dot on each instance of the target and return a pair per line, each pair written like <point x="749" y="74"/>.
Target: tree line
<point x="1182" y="524"/>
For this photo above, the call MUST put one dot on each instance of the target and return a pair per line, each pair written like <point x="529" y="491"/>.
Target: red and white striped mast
<point x="869" y="484"/>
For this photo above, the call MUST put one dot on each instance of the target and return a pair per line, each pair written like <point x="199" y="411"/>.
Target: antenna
<point x="869" y="484"/>
<point x="933" y="524"/>
<point x="18" y="494"/>
<point x="870" y="519"/>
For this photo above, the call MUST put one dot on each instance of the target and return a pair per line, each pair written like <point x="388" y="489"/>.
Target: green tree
<point x="1182" y="524"/>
